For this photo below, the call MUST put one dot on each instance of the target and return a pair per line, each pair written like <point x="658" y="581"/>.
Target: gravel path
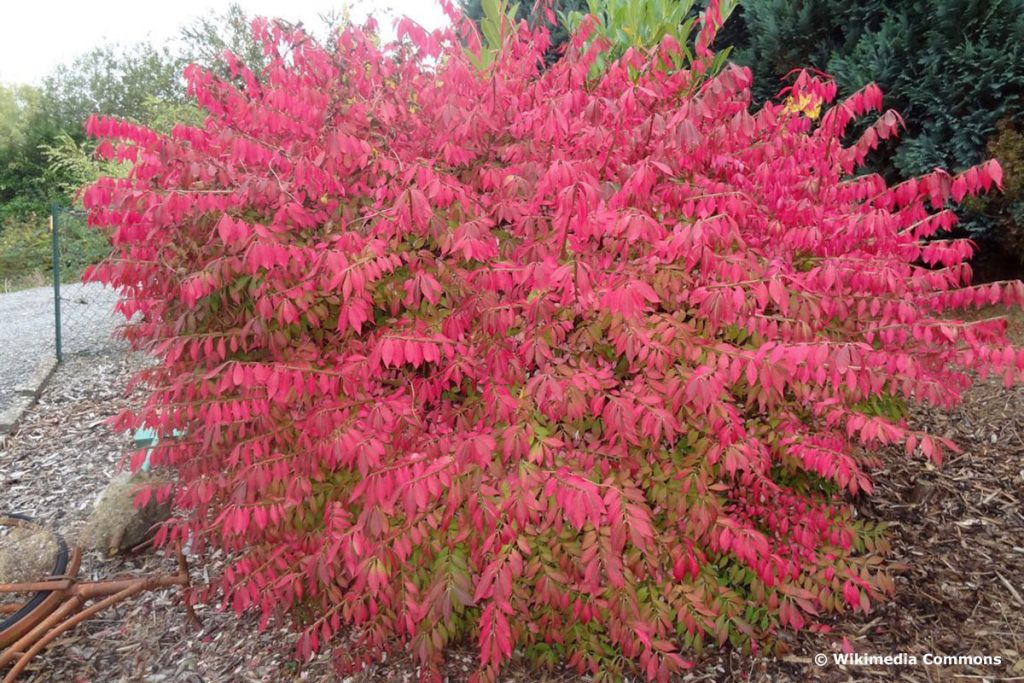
<point x="26" y="328"/>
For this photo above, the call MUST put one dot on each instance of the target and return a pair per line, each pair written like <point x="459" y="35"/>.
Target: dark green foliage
<point x="952" y="68"/>
<point x="774" y="37"/>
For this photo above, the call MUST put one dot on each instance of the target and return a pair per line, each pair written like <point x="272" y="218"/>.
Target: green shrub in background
<point x="24" y="126"/>
<point x="641" y="24"/>
<point x="81" y="246"/>
<point x="26" y="250"/>
<point x="774" y="37"/>
<point x="952" y="68"/>
<point x="25" y="253"/>
<point x="474" y="9"/>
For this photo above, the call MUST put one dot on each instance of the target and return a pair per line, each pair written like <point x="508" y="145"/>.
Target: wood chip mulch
<point x="958" y="529"/>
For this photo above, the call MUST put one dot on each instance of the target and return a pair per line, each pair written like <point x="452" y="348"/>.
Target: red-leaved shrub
<point x="586" y="371"/>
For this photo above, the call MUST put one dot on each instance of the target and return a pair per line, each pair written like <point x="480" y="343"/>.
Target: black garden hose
<point x="59" y="567"/>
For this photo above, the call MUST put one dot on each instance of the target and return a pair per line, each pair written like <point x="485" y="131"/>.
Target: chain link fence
<point x="84" y="315"/>
<point x="46" y="312"/>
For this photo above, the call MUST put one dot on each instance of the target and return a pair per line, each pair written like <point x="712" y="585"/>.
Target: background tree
<point x="113" y="80"/>
<point x="24" y="127"/>
<point x="774" y="37"/>
<point x="953" y="69"/>
<point x="17" y="105"/>
<point x="205" y="39"/>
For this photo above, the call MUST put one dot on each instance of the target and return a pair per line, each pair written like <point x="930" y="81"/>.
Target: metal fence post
<point x="55" y="232"/>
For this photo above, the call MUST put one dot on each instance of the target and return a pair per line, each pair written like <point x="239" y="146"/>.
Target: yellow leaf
<point x="809" y="105"/>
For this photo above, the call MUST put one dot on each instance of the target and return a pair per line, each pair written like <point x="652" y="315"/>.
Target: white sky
<point x="37" y="35"/>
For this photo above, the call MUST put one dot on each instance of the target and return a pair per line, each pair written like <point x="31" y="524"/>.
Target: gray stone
<point x="34" y="383"/>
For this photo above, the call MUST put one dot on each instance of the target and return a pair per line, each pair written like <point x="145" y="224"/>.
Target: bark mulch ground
<point x="957" y="530"/>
